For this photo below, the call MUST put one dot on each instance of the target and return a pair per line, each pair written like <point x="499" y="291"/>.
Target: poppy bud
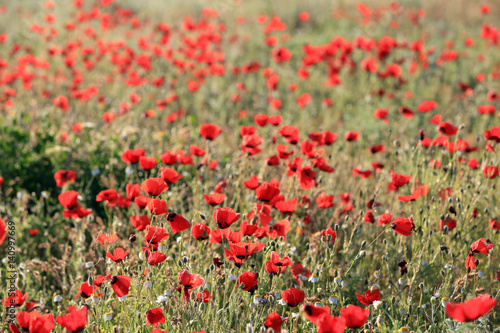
<point x="132" y="238"/>
<point x="452" y="210"/>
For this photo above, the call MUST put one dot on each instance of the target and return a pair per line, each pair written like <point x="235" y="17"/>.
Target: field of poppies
<point x="249" y="166"/>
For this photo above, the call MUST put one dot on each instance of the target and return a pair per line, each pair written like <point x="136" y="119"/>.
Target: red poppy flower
<point x="155" y="258"/>
<point x="398" y="180"/>
<point x="494" y="224"/>
<point x="369" y="297"/>
<point x="471" y="309"/>
<point x="141" y="201"/>
<point x="403" y="226"/>
<point x="240" y="252"/>
<point x="277" y="265"/>
<point x="299" y="273"/>
<point x="209" y="131"/>
<point x="35" y="322"/>
<point x="252" y="183"/>
<point x="169" y="175"/>
<point x="447" y="128"/>
<point x="16" y="299"/>
<point x="100" y="279"/>
<point x="330" y="324"/>
<point x="168" y="158"/>
<point x="307" y="178"/>
<point x="132" y="156"/>
<point x="107" y="239"/>
<point x="189" y="280"/>
<point x="154" y="235"/>
<point x="351" y="136"/>
<point x="355" y="316"/>
<point x="281" y="54"/>
<point x="107" y="195"/>
<point x="118" y="254"/>
<point x="61" y="102"/>
<point x="69" y="199"/>
<point x="140" y="222"/>
<point x="200" y="231"/>
<point x="275" y="120"/>
<point x="120" y="285"/>
<point x="133" y="190"/>
<point x="314" y="313"/>
<point x="225" y="216"/>
<point x="267" y="192"/>
<point x="177" y="222"/>
<point x="490" y="171"/>
<point x="479" y="246"/>
<point x="62" y="177"/>
<point x="157" y="206"/>
<point x="273" y="321"/>
<point x="293" y="296"/>
<point x="385" y="218"/>
<point x="155" y="317"/>
<point x="449" y="222"/>
<point x="214" y="199"/>
<point x="249" y="281"/>
<point x="325" y="201"/>
<point x="261" y="119"/>
<point x="75" y="320"/>
<point x="286" y="207"/>
<point x="427" y="106"/>
<point x="493" y="134"/>
<point x="147" y="163"/>
<point x="85" y="290"/>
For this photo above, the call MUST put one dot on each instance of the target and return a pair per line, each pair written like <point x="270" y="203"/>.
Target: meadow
<point x="249" y="166"/>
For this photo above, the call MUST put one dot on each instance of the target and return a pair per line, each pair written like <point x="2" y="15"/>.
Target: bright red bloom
<point x="154" y="186"/>
<point x="240" y="252"/>
<point x="62" y="177"/>
<point x="189" y="281"/>
<point x="155" y="317"/>
<point x="314" y="313"/>
<point x="277" y="265"/>
<point x="490" y="171"/>
<point x="307" y="178"/>
<point x="100" y="279"/>
<point x="155" y="258"/>
<point x="471" y="309"/>
<point x="107" y="239"/>
<point x="325" y="201"/>
<point x="385" y="218"/>
<point x="35" y="322"/>
<point x="120" y="285"/>
<point x="177" y="222"/>
<point x="369" y="297"/>
<point x="169" y="175"/>
<point x="479" y="246"/>
<point x="154" y="235"/>
<point x="426" y="106"/>
<point x="293" y="296"/>
<point x="281" y="54"/>
<point x="85" y="290"/>
<point x="133" y="190"/>
<point x="118" y="254"/>
<point x="209" y="131"/>
<point x="273" y="321"/>
<point x="351" y="136"/>
<point x="494" y="224"/>
<point x="140" y="222"/>
<point x="249" y="280"/>
<point x="267" y="192"/>
<point x="398" y="180"/>
<point x="329" y="232"/>
<point x="200" y="231"/>
<point x="75" y="320"/>
<point x="107" y="195"/>
<point x="330" y="324"/>
<point x="214" y="199"/>
<point x="132" y="156"/>
<point x="355" y="316"/>
<point x="147" y="163"/>
<point x="449" y="222"/>
<point x="299" y="273"/>
<point x="157" y="206"/>
<point x="17" y="299"/>
<point x="225" y="216"/>
<point x="403" y="226"/>
<point x="252" y="183"/>
<point x="69" y="199"/>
